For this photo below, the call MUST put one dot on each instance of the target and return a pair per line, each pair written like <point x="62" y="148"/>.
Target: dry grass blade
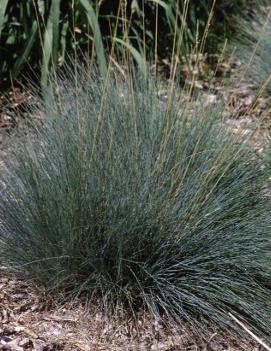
<point x="255" y="337"/>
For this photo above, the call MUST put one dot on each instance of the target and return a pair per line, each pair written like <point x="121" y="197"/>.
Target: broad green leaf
<point x="41" y="7"/>
<point x="26" y="50"/>
<point x="161" y="3"/>
<point x="134" y="6"/>
<point x="98" y="40"/>
<point x="168" y="11"/>
<point x="139" y="58"/>
<point x="63" y="39"/>
<point x="50" y="42"/>
<point x="3" y="7"/>
<point x="56" y="26"/>
<point x="47" y="51"/>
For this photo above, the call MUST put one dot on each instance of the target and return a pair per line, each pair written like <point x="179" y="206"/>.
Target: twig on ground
<point x="250" y="333"/>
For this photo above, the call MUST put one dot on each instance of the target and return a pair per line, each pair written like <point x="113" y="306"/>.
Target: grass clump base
<point x="141" y="201"/>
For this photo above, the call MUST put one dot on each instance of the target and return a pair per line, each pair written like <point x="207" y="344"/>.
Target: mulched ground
<point x="27" y="324"/>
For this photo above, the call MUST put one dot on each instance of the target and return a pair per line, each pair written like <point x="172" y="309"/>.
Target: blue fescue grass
<point x="118" y="195"/>
<point x="254" y="47"/>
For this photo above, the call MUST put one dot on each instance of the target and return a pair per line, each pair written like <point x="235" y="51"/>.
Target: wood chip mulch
<point x="28" y="324"/>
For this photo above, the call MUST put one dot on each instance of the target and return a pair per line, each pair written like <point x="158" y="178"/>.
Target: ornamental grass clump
<point x="131" y="197"/>
<point x="254" y="47"/>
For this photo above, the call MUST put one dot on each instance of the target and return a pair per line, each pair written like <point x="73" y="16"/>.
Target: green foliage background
<point x="38" y="33"/>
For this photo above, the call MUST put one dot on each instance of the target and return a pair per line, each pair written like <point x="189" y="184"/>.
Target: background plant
<point x="36" y="33"/>
<point x="254" y="47"/>
<point x="121" y="196"/>
<point x="42" y="32"/>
